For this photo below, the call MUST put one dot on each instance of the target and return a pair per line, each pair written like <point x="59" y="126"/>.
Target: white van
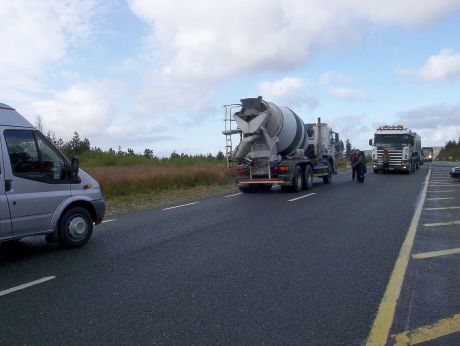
<point x="41" y="191"/>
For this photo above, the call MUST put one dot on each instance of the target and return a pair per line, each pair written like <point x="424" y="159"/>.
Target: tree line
<point x="78" y="146"/>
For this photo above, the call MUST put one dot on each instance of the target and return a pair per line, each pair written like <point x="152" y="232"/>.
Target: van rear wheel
<point x="75" y="227"/>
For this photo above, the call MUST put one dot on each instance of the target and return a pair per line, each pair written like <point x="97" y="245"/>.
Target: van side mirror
<point x="370" y="142"/>
<point x="74" y="166"/>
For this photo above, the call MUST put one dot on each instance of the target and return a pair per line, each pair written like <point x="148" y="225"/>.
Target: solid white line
<point x="436" y="198"/>
<point x="180" y="206"/>
<point x="295" y="199"/>
<point x="437" y="224"/>
<point x="438" y="185"/>
<point x="435" y="253"/>
<point x="111" y="220"/>
<point x="235" y="194"/>
<point x="442" y="208"/>
<point x="21" y="287"/>
<point x="441" y="191"/>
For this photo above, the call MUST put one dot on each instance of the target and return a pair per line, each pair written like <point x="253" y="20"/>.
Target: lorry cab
<point x="41" y="191"/>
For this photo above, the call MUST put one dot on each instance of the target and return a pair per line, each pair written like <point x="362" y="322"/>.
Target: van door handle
<point x="8" y="185"/>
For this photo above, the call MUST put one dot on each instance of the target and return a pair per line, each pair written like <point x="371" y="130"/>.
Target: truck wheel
<point x="297" y="180"/>
<point x="328" y="178"/>
<point x="75" y="227"/>
<point x="308" y="178"/>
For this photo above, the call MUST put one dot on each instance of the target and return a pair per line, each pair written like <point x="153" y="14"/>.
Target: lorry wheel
<point x="308" y="178"/>
<point x="297" y="180"/>
<point x="328" y="178"/>
<point x="75" y="227"/>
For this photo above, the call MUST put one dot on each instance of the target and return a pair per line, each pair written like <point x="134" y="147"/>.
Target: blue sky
<point x="155" y="74"/>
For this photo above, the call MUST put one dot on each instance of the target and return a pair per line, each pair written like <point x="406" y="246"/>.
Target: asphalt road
<point x="247" y="269"/>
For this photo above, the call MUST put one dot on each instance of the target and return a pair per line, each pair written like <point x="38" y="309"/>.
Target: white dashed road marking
<point x="29" y="284"/>
<point x="180" y="206"/>
<point x="295" y="199"/>
<point x="235" y="194"/>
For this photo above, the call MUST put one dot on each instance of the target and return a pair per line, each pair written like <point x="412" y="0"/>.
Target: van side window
<point x="23" y="152"/>
<point x="33" y="158"/>
<point x="53" y="164"/>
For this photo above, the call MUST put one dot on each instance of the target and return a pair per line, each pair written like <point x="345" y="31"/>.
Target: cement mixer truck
<point x="276" y="147"/>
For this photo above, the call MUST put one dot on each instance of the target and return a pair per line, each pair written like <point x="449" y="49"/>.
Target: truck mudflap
<point x="321" y="170"/>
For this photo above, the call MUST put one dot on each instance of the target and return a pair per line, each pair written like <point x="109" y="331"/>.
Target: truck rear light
<point x="241" y="170"/>
<point x="283" y="168"/>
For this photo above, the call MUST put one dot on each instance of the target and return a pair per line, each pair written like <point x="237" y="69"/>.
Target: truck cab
<point x="403" y="145"/>
<point x="427" y="154"/>
<point x="41" y="191"/>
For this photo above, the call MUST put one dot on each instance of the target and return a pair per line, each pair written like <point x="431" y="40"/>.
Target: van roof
<point x="9" y="117"/>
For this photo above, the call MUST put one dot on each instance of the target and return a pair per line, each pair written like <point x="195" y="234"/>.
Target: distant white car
<point x="455" y="172"/>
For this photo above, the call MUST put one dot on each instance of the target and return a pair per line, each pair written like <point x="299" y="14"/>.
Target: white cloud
<point x="354" y="128"/>
<point x="100" y="112"/>
<point x="348" y="94"/>
<point x="430" y="117"/>
<point x="85" y="108"/>
<point x="216" y="40"/>
<point x="435" y="123"/>
<point x="207" y="43"/>
<point x="330" y="77"/>
<point x="164" y="96"/>
<point x="287" y="91"/>
<point x="282" y="87"/>
<point x="402" y="12"/>
<point x="35" y="34"/>
<point x="443" y="66"/>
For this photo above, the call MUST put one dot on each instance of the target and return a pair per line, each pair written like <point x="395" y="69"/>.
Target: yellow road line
<point x="442" y="328"/>
<point x="385" y="315"/>
<point x="442" y="208"/>
<point x="431" y="254"/>
<point x="436" y="224"/>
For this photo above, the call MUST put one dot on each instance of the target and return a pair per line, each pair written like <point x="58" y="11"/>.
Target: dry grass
<point x="143" y="183"/>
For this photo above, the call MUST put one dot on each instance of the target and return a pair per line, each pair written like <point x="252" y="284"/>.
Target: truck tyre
<point x="308" y="184"/>
<point x="328" y="178"/>
<point x="297" y="180"/>
<point x="75" y="227"/>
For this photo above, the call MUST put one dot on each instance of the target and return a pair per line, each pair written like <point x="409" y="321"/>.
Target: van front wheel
<point x="75" y="227"/>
